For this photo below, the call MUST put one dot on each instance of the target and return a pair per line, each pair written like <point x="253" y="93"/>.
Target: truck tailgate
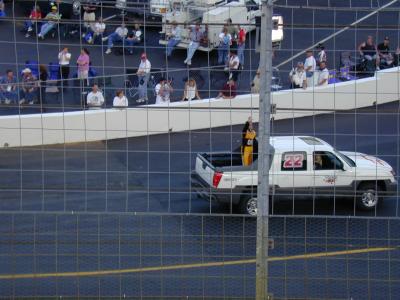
<point x="204" y="169"/>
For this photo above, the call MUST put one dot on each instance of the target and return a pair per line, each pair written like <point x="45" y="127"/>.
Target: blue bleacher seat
<point x="345" y="74"/>
<point x="332" y="77"/>
<point x="54" y="71"/>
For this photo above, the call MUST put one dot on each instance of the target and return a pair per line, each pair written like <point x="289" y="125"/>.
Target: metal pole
<point x="263" y="154"/>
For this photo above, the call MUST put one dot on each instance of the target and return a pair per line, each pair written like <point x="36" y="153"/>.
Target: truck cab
<point x="301" y="166"/>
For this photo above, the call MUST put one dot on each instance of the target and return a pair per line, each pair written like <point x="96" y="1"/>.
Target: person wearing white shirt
<point x="143" y="74"/>
<point x="97" y="30"/>
<point x="309" y="66"/>
<point x="174" y="38"/>
<point x="225" y="41"/>
<point x="323" y="74"/>
<point x="190" y="92"/>
<point x="298" y="77"/>
<point x="163" y="91"/>
<point x="233" y="65"/>
<point x="120" y="100"/>
<point x="118" y="35"/>
<point x="95" y="98"/>
<point x="64" y="58"/>
<point x="134" y="38"/>
<point x="321" y="56"/>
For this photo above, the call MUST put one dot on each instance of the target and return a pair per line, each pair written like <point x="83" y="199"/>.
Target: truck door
<point x="329" y="177"/>
<point x="293" y="175"/>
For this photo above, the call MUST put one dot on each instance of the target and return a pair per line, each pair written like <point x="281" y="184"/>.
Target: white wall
<point x="80" y="126"/>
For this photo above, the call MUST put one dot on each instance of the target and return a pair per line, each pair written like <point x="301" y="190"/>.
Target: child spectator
<point x="34" y="17"/>
<point x="120" y="100"/>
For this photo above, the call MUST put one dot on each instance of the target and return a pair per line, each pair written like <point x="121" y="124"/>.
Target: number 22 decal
<point x="293" y="161"/>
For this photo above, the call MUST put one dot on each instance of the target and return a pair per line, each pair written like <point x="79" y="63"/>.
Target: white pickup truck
<point x="300" y="166"/>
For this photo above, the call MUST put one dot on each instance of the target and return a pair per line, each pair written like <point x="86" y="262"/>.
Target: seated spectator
<point x="34" y="17"/>
<point x="134" y="38"/>
<point x="233" y="64"/>
<point x="97" y="29"/>
<point x="298" y="77"/>
<point x="368" y="51"/>
<point x="255" y="84"/>
<point x="163" y="91"/>
<point x="228" y="91"/>
<point x="2" y="9"/>
<point x="95" y="98"/>
<point x="386" y="58"/>
<point x="190" y="91"/>
<point x="396" y="57"/>
<point x="323" y="74"/>
<point x="42" y="84"/>
<point x="118" y="35"/>
<point x="225" y="41"/>
<point x="120" y="100"/>
<point x="52" y="18"/>
<point x="28" y="87"/>
<point x="8" y="88"/>
<point x="89" y="15"/>
<point x="196" y="35"/>
<point x="173" y="37"/>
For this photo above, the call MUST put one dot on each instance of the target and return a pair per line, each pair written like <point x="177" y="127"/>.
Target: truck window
<point x="294" y="161"/>
<point x="324" y="160"/>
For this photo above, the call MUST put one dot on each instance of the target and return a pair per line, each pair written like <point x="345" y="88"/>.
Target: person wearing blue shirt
<point x="2" y="9"/>
<point x="8" y="88"/>
<point x="174" y="38"/>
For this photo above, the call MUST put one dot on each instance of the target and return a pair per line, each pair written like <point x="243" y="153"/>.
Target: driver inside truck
<point x="318" y="164"/>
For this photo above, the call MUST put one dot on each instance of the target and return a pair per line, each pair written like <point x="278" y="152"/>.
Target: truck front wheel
<point x="368" y="196"/>
<point x="248" y="205"/>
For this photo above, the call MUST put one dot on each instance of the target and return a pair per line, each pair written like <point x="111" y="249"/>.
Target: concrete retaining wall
<point x="80" y="126"/>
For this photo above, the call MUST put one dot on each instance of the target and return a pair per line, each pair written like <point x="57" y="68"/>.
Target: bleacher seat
<point x="54" y="71"/>
<point x="332" y="77"/>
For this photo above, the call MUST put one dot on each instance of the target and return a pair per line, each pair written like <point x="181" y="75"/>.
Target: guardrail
<point x="94" y="125"/>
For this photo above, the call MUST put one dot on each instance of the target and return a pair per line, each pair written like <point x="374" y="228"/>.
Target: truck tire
<point x="368" y="196"/>
<point x="248" y="205"/>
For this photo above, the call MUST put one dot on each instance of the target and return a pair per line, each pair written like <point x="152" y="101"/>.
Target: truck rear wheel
<point x="368" y="196"/>
<point x="248" y="205"/>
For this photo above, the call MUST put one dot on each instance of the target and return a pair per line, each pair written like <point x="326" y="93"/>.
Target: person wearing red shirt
<point x="35" y="15"/>
<point x="241" y="44"/>
<point x="228" y="91"/>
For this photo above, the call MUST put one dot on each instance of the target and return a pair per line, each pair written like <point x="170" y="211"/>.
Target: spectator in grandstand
<point x="195" y="37"/>
<point x="95" y="99"/>
<point x="134" y="38"/>
<point x="232" y="30"/>
<point x="28" y="87"/>
<point x="173" y="37"/>
<point x="241" y="45"/>
<point x="233" y="65"/>
<point x="396" y="57"/>
<point x="228" y="90"/>
<point x="163" y="91"/>
<point x="385" y="57"/>
<point x="143" y="74"/>
<point x="34" y="17"/>
<point x="190" y="91"/>
<point x="96" y="30"/>
<point x="225" y="41"/>
<point x="255" y="84"/>
<point x="8" y="88"/>
<point x="43" y="76"/>
<point x="321" y="56"/>
<point x="89" y="15"/>
<point x="52" y="18"/>
<point x="118" y="35"/>
<point x="64" y="58"/>
<point x="298" y="77"/>
<point x="120" y="100"/>
<point x="323" y="74"/>
<point x="83" y="63"/>
<point x="309" y="66"/>
<point x="368" y="51"/>
<point x="2" y="9"/>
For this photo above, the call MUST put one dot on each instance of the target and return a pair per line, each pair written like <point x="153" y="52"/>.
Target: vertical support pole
<point x="264" y="151"/>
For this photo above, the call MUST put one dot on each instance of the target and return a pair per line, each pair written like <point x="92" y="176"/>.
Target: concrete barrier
<point x="81" y="126"/>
